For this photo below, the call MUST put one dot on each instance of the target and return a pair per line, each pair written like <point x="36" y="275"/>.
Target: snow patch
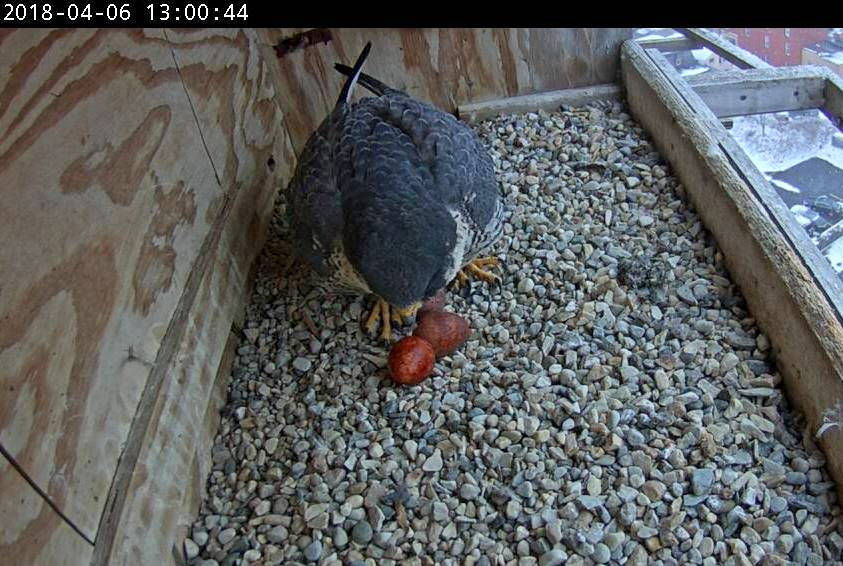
<point x="834" y="254"/>
<point x="776" y="142"/>
<point x="804" y="215"/>
<point x="644" y="34"/>
<point x="785" y="186"/>
<point x="694" y="71"/>
<point x="703" y="56"/>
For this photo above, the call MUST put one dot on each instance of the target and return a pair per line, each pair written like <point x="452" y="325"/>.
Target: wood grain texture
<point x="541" y="101"/>
<point x="447" y="67"/>
<point x="668" y="44"/>
<point x="833" y="107"/>
<point x="31" y="531"/>
<point x="782" y="293"/>
<point x="727" y="93"/>
<point x="109" y="192"/>
<point x="231" y="92"/>
<point x="759" y="91"/>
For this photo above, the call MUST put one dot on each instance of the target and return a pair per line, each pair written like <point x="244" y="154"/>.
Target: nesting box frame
<point x="790" y="288"/>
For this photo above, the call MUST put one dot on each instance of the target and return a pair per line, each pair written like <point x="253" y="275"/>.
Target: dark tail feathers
<point x="353" y="75"/>
<point x="369" y="82"/>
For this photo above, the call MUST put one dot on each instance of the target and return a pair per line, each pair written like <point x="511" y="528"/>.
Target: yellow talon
<point x="380" y="312"/>
<point x="460" y="281"/>
<point x="475" y="267"/>
<point x="408" y="312"/>
<point x="386" y="314"/>
<point x="483" y="261"/>
<point x="481" y="273"/>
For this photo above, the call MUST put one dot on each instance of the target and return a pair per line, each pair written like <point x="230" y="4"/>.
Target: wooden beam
<point x="830" y="236"/>
<point x="762" y="188"/>
<point x="788" y="286"/>
<point x="833" y="107"/>
<point x="670" y="44"/>
<point x="727" y="93"/>
<point x="541" y="101"/>
<point x="741" y="58"/>
<point x="759" y="91"/>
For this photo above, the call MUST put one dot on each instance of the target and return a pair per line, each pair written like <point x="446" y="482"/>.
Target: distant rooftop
<point x="814" y="177"/>
<point x="831" y="49"/>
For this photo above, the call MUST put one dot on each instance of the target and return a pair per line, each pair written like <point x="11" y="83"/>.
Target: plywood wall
<point x="137" y="172"/>
<point x="447" y="67"/>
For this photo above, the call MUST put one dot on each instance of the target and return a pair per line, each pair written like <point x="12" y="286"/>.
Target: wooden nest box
<point x="139" y="169"/>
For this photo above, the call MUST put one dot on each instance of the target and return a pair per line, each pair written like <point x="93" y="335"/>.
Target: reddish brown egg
<point x="445" y="331"/>
<point x="411" y="360"/>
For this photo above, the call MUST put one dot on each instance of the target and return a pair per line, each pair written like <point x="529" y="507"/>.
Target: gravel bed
<point x="617" y="403"/>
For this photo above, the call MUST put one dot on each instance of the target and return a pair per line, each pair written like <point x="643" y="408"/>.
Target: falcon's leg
<point x="475" y="267"/>
<point x="387" y="314"/>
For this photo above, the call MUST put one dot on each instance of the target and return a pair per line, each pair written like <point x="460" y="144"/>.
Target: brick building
<point x="779" y="47"/>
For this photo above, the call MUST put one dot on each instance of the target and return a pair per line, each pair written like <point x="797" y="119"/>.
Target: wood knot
<point x="302" y="40"/>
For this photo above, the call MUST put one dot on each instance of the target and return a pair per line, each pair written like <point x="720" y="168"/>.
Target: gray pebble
<point x="277" y="534"/>
<point x="434" y="462"/>
<point x="778" y="504"/>
<point x="191" y="549"/>
<point x="340" y="537"/>
<point x="362" y="533"/>
<point x="616" y="395"/>
<point x="601" y="554"/>
<point x="313" y="551"/>
<point x="553" y="531"/>
<point x="302" y="364"/>
<point x="469" y="492"/>
<point x="701" y="480"/>
<point x="554" y="557"/>
<point x="226" y="536"/>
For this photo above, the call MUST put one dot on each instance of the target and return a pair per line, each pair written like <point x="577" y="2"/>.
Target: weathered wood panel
<point x="727" y="93"/>
<point x="31" y="531"/>
<point x="771" y="205"/>
<point x="196" y="483"/>
<point x="668" y="44"/>
<point x="759" y="91"/>
<point x="109" y="194"/>
<point x="447" y="67"/>
<point x="833" y="107"/>
<point x="542" y="101"/>
<point x="230" y="89"/>
<point x="781" y="290"/>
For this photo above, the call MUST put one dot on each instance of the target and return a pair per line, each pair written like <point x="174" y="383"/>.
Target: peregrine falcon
<point x="393" y="197"/>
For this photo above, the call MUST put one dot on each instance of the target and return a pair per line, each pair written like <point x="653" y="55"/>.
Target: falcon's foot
<point x="387" y="314"/>
<point x="475" y="268"/>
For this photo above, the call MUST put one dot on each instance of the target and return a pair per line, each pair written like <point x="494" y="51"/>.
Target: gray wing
<point x="397" y="233"/>
<point x="463" y="172"/>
